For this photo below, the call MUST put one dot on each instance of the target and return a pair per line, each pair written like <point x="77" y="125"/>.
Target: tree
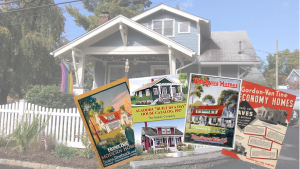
<point x="287" y="61"/>
<point x="128" y="8"/>
<point x="108" y="109"/>
<point x="27" y="38"/>
<point x="122" y="107"/>
<point x="228" y="97"/>
<point x="209" y="98"/>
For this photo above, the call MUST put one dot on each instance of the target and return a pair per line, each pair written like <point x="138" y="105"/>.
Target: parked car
<point x="294" y="120"/>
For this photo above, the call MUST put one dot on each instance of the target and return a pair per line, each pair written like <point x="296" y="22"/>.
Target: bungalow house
<point x="160" y="41"/>
<point x="271" y="115"/>
<point x="109" y="121"/>
<point x="212" y="115"/>
<point x="154" y="136"/>
<point x="162" y="89"/>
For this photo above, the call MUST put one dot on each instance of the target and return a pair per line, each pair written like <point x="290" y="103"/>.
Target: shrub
<point x="160" y="102"/>
<point x="37" y="145"/>
<point x="26" y="132"/>
<point x="87" y="152"/>
<point x="151" y="150"/>
<point x="3" y="141"/>
<point x="49" y="96"/>
<point x="64" y="151"/>
<point x="139" y="149"/>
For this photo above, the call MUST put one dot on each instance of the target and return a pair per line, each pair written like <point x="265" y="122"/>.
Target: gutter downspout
<point x="195" y="60"/>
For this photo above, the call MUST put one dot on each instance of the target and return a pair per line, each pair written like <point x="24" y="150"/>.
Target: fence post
<point x="22" y="105"/>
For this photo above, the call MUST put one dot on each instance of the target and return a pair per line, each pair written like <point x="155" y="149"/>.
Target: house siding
<point x="134" y="38"/>
<point x="189" y="40"/>
<point x="144" y="97"/>
<point x="229" y="71"/>
<point x="294" y="76"/>
<point x="99" y="74"/>
<point x="159" y="131"/>
<point x="172" y="130"/>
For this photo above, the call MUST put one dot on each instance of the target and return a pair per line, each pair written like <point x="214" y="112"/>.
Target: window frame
<point x="156" y="91"/>
<point x="168" y="131"/>
<point x="140" y="94"/>
<point x="163" y="131"/>
<point x="173" y="90"/>
<point x="189" y="27"/>
<point x="147" y="92"/>
<point x="163" y="26"/>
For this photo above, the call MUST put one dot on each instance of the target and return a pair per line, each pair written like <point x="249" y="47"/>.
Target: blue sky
<point x="265" y="21"/>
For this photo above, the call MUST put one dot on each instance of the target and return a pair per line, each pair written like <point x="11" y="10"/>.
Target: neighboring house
<point x="160" y="41"/>
<point x="212" y="115"/>
<point x="154" y="136"/>
<point x="271" y="115"/>
<point x="109" y="121"/>
<point x="293" y="76"/>
<point x="162" y="89"/>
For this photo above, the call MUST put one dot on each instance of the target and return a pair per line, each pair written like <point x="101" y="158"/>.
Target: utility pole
<point x="276" y="64"/>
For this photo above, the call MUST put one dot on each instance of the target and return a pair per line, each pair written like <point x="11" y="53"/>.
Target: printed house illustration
<point x="271" y="115"/>
<point x="112" y="121"/>
<point x="154" y="136"/>
<point x="211" y="115"/>
<point x="162" y="89"/>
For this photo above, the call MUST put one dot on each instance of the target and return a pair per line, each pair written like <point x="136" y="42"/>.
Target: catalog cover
<point x="263" y="117"/>
<point x="158" y="109"/>
<point x="107" y="117"/>
<point x="211" y="110"/>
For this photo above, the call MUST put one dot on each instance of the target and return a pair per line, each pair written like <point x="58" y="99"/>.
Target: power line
<point x="22" y="9"/>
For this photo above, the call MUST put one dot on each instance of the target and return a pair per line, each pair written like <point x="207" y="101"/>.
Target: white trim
<point x="163" y="26"/>
<point x="189" y="27"/>
<point x="148" y="92"/>
<point x="145" y="24"/>
<point x="152" y="67"/>
<point x="170" y="9"/>
<point x="291" y="73"/>
<point x="217" y="66"/>
<point x="199" y="39"/>
<point x="115" y="21"/>
<point x="109" y="71"/>
<point x="156" y="91"/>
<point x="140" y="94"/>
<point x="230" y="63"/>
<point x="120" y="50"/>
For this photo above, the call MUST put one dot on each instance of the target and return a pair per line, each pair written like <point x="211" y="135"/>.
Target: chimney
<point x="103" y="17"/>
<point x="146" y="127"/>
<point x="152" y="80"/>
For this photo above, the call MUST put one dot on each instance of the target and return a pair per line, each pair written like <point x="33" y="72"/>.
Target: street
<point x="288" y="157"/>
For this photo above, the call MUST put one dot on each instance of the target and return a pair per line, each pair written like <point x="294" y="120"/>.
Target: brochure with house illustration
<point x="211" y="110"/>
<point x="107" y="117"/>
<point x="158" y="110"/>
<point x="263" y="117"/>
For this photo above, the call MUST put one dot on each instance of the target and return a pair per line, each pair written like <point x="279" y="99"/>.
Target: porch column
<point x="172" y="61"/>
<point x="171" y="91"/>
<point x="181" y="88"/>
<point x="81" y="67"/>
<point x="167" y="142"/>
<point x="153" y="144"/>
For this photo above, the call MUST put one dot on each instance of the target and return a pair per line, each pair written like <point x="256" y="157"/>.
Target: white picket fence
<point x="64" y="124"/>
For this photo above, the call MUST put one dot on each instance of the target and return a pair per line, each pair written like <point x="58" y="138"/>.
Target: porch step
<point x="154" y="102"/>
<point x="173" y="148"/>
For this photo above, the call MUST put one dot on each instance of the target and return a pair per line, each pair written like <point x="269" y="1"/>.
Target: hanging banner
<point x="263" y="117"/>
<point x="107" y="117"/>
<point x="211" y="112"/>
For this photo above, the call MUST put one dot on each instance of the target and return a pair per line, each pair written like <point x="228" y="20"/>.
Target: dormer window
<point x="163" y="131"/>
<point x="164" y="27"/>
<point x="168" y="131"/>
<point x="183" y="27"/>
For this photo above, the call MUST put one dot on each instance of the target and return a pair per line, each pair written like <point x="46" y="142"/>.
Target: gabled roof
<point x="209" y="107"/>
<point x="294" y="70"/>
<point x="175" y="11"/>
<point x="116" y="113"/>
<point x="148" y="85"/>
<point x="151" y="132"/>
<point x="116" y="21"/>
<point x="223" y="47"/>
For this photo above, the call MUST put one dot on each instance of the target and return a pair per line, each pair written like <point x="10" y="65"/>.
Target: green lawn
<point x="196" y="129"/>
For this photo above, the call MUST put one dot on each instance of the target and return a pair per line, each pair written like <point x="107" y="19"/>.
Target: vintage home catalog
<point x="107" y="117"/>
<point x="263" y="118"/>
<point x="158" y="110"/>
<point x="211" y="112"/>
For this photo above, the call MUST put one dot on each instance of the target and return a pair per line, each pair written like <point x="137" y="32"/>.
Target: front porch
<point x="168" y="142"/>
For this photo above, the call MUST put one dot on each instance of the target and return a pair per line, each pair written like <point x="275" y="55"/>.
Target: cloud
<point x="187" y="4"/>
<point x="285" y="4"/>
